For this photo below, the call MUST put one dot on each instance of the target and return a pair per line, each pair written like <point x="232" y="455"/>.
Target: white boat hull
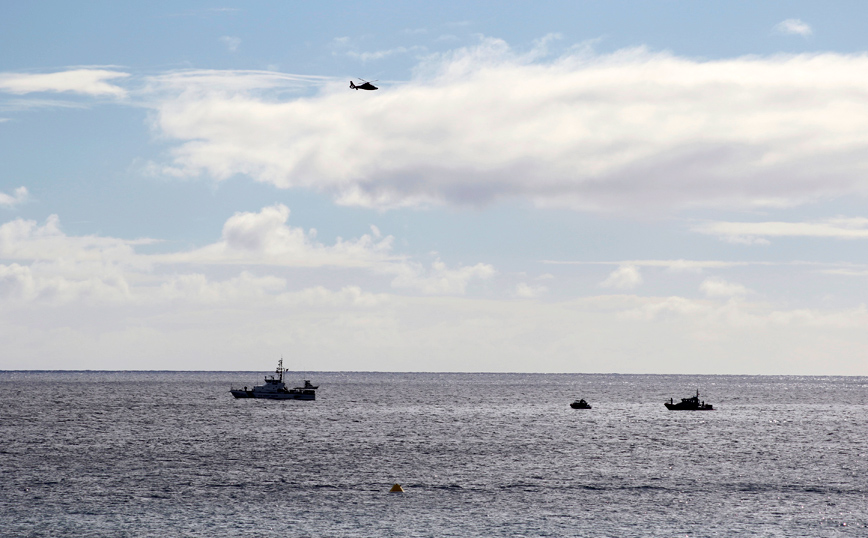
<point x="275" y="389"/>
<point x="306" y="395"/>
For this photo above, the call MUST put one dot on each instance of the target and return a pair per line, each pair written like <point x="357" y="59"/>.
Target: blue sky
<point x="635" y="187"/>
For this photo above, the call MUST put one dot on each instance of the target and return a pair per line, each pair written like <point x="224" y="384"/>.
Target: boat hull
<point x="679" y="407"/>
<point x="689" y="404"/>
<point x="273" y="396"/>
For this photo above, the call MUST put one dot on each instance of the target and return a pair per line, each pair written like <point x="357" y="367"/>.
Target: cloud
<point x="23" y="284"/>
<point x="629" y="131"/>
<point x="184" y="87"/>
<point x="718" y="287"/>
<point x="624" y="277"/>
<point x="527" y="291"/>
<point x="93" y="82"/>
<point x="846" y="272"/>
<point x="738" y="315"/>
<point x="794" y="27"/>
<point x="19" y="196"/>
<point x="345" y="46"/>
<point x="249" y="239"/>
<point x="672" y="265"/>
<point x="439" y="280"/>
<point x="39" y="103"/>
<point x="232" y="43"/>
<point x="541" y="46"/>
<point x="380" y="54"/>
<point x="657" y="309"/>
<point x="263" y="238"/>
<point x="51" y="267"/>
<point x="341" y="329"/>
<point x="698" y="266"/>
<point x="199" y="288"/>
<point x="756" y="232"/>
<point x="25" y="240"/>
<point x="94" y="297"/>
<point x="206" y="12"/>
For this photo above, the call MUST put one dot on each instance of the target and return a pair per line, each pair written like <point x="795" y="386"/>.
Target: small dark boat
<point x="689" y="404"/>
<point x="580" y="404"/>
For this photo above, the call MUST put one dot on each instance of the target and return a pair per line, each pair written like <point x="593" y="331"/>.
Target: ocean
<point x="173" y="454"/>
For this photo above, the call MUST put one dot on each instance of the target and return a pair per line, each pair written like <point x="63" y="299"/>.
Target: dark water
<point x="173" y="454"/>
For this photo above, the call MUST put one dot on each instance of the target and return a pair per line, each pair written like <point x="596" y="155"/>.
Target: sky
<point x="568" y="186"/>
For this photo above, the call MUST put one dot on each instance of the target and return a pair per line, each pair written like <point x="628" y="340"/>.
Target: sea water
<point x="174" y="454"/>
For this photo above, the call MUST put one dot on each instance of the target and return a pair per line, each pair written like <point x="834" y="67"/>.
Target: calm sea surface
<point x="173" y="454"/>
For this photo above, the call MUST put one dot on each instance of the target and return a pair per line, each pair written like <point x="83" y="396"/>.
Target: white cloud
<point x="794" y="27"/>
<point x="346" y="297"/>
<point x="19" y="196"/>
<point x="755" y="232"/>
<point x="632" y="130"/>
<point x="380" y="54"/>
<point x="745" y="240"/>
<point x="541" y="46"/>
<point x="51" y="267"/>
<point x="199" y="288"/>
<point x="92" y="82"/>
<point x="232" y="43"/>
<point x="846" y="272"/>
<point x="445" y="38"/>
<point x="194" y="320"/>
<point x="250" y="239"/>
<point x="25" y="240"/>
<point x="624" y="277"/>
<point x="718" y="287"/>
<point x="737" y="315"/>
<point x="698" y="266"/>
<point x="34" y="103"/>
<point x="264" y="238"/>
<point x="665" y="309"/>
<point x="672" y="265"/>
<point x="346" y="46"/>
<point x="439" y="280"/>
<point x="22" y="284"/>
<point x="527" y="291"/>
<point x="183" y="88"/>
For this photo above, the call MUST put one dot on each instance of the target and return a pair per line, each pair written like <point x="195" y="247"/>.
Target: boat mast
<point x="280" y="369"/>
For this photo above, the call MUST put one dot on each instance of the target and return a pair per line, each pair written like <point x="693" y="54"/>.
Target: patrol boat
<point x="689" y="404"/>
<point x="580" y="404"/>
<point x="275" y="389"/>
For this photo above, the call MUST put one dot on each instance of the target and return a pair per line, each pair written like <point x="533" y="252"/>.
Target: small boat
<point x="580" y="404"/>
<point x="275" y="389"/>
<point x="689" y="404"/>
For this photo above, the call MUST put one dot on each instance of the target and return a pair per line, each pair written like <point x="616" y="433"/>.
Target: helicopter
<point x="365" y="85"/>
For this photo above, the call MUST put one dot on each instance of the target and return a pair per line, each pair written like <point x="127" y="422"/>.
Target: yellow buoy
<point x="396" y="489"/>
